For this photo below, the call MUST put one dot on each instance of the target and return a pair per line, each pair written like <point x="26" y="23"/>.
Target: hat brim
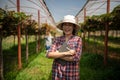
<point x="61" y="24"/>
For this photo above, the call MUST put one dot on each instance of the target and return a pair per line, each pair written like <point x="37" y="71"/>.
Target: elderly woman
<point x="66" y="63"/>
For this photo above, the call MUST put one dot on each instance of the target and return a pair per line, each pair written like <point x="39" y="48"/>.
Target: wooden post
<point x="19" y="41"/>
<point x="1" y="57"/>
<point x="84" y="31"/>
<point x="84" y="14"/>
<point x="106" y="35"/>
<point x="38" y="30"/>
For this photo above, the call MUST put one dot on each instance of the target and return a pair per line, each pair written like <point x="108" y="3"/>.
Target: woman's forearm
<point x="67" y="58"/>
<point x="56" y="54"/>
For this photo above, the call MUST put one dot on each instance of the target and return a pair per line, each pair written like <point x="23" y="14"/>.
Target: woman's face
<point x="68" y="28"/>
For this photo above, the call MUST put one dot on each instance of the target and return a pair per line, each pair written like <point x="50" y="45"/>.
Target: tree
<point x="28" y="28"/>
<point x="8" y="25"/>
<point x="2" y="16"/>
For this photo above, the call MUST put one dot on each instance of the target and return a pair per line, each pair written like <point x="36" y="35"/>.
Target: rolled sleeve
<point x="77" y="56"/>
<point x="52" y="48"/>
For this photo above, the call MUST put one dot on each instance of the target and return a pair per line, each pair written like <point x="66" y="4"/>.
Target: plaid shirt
<point x="70" y="71"/>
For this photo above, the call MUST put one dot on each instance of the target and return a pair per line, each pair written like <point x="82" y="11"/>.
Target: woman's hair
<point x="74" y="30"/>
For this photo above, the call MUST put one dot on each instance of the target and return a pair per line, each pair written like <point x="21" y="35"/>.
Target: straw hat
<point x="68" y="19"/>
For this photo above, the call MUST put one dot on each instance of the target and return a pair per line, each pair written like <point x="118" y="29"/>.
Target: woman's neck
<point x="68" y="37"/>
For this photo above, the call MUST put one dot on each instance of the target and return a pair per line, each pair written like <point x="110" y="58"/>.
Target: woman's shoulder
<point x="77" y="38"/>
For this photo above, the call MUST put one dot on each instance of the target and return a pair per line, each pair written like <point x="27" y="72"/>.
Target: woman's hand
<point x="70" y="53"/>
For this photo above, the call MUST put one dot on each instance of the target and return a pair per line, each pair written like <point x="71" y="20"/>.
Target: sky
<point x="60" y="8"/>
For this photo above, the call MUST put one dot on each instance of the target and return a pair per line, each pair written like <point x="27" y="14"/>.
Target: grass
<point x="91" y="64"/>
<point x="39" y="67"/>
<point x="92" y="68"/>
<point x="97" y="46"/>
